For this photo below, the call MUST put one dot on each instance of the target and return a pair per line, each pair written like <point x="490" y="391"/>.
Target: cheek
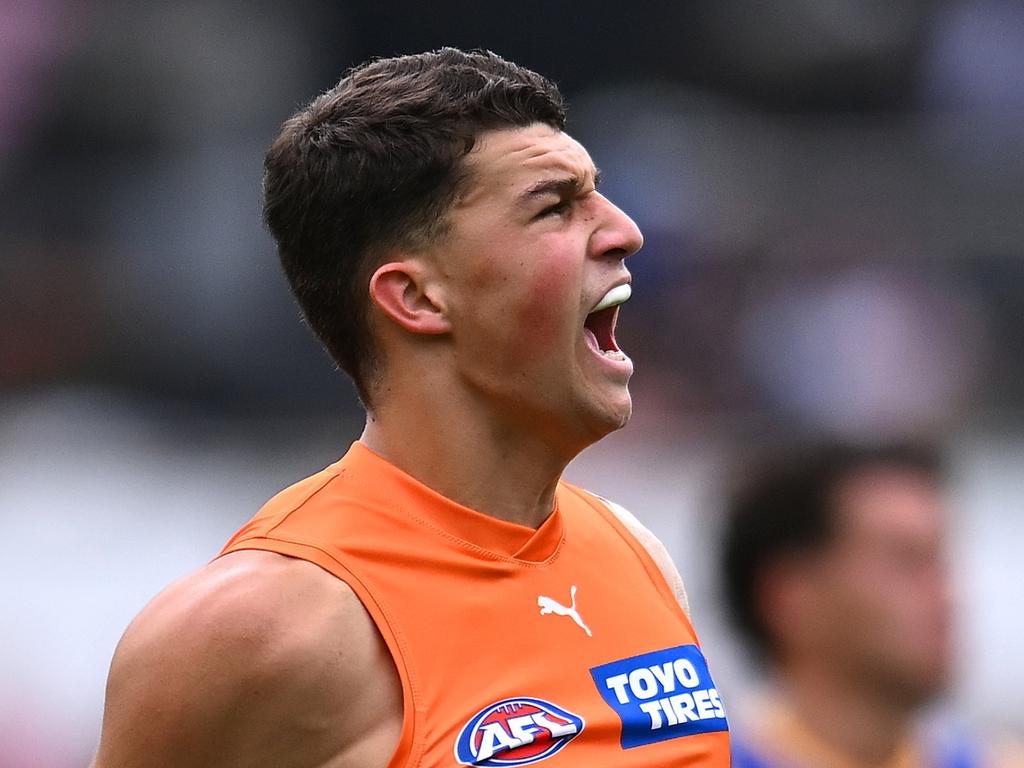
<point x="547" y="312"/>
<point x="842" y="601"/>
<point x="891" y="612"/>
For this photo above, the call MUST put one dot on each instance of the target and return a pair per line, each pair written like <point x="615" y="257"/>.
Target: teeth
<point x="616" y="295"/>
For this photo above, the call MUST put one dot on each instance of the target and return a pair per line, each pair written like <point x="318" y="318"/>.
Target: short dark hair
<point x="375" y="163"/>
<point x="788" y="508"/>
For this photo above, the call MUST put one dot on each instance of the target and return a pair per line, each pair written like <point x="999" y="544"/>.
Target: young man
<point x="835" y="571"/>
<point x="438" y="596"/>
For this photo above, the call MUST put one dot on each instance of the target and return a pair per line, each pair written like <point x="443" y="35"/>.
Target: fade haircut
<point x="375" y="164"/>
<point x="790" y="508"/>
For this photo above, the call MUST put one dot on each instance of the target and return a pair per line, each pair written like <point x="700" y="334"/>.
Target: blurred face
<point x="533" y="250"/>
<point x="878" y="597"/>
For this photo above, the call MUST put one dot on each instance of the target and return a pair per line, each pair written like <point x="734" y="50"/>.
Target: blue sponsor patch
<point x="661" y="695"/>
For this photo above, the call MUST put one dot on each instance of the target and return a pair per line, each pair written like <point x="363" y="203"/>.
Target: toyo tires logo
<point x="661" y="695"/>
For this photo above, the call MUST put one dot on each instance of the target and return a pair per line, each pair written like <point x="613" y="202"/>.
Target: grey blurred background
<point x="833" y="198"/>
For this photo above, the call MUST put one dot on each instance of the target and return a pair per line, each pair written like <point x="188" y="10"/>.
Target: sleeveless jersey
<point x="563" y="645"/>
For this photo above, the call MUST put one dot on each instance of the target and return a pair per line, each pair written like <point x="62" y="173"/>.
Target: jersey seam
<point x="483" y="551"/>
<point x="462" y="543"/>
<point x="299" y="506"/>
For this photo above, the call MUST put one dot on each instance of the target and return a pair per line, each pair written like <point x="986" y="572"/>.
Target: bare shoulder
<point x="255" y="660"/>
<point x="655" y="549"/>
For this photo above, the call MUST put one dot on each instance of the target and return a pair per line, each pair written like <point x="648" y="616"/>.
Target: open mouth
<point x="599" y="326"/>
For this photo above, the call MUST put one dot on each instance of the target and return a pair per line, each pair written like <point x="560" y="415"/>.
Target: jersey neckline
<point x="394" y="488"/>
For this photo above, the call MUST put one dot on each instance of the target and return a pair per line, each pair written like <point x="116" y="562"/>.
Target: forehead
<point x="508" y="161"/>
<point x="891" y="503"/>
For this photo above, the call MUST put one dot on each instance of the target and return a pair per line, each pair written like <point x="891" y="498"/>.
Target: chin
<point x="612" y="417"/>
<point x="916" y="683"/>
<point x="919" y="693"/>
<point x="624" y="417"/>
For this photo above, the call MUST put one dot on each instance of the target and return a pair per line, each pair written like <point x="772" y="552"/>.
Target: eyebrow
<point x="563" y="187"/>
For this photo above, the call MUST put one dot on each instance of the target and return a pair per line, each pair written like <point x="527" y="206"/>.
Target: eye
<point x="562" y="206"/>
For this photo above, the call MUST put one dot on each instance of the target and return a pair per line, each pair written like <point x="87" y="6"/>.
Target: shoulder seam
<point x="285" y="515"/>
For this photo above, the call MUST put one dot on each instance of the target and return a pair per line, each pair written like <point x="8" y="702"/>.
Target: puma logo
<point x="550" y="605"/>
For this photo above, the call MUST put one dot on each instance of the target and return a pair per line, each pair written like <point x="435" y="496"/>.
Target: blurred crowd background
<point x="833" y="198"/>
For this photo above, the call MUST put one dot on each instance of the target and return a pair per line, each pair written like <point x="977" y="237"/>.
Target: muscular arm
<point x="256" y="660"/>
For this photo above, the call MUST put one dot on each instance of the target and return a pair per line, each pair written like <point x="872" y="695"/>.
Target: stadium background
<point x="832" y="197"/>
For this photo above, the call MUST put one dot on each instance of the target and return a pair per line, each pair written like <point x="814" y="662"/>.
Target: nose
<point x="617" y="236"/>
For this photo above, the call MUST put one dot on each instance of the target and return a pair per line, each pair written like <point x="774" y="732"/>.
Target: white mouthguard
<point x="616" y="295"/>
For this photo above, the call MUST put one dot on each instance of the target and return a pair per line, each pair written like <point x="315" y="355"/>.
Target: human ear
<point x="401" y="290"/>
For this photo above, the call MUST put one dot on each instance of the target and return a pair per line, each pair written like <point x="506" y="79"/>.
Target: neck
<point x="460" y="448"/>
<point x="847" y="718"/>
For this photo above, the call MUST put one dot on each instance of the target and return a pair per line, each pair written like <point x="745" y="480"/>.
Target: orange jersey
<point x="562" y="645"/>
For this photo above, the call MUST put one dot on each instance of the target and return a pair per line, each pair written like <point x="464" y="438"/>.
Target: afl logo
<point x="516" y="732"/>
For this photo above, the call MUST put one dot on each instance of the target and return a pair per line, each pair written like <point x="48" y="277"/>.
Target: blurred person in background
<point x="438" y="591"/>
<point x="835" y="571"/>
